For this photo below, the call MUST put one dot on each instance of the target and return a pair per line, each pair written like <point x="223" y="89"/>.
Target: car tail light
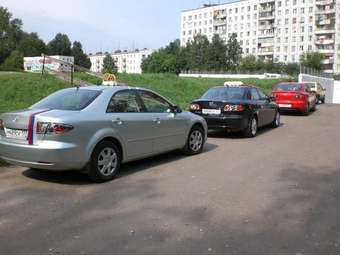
<point x="52" y="128"/>
<point x="195" y="107"/>
<point x="233" y="108"/>
<point x="2" y="127"/>
<point x="299" y="96"/>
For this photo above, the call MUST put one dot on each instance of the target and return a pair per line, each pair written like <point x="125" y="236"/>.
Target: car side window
<point x="254" y="94"/>
<point x="154" y="103"/>
<point x="124" y="101"/>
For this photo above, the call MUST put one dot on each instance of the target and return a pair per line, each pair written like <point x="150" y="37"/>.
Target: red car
<point x="294" y="96"/>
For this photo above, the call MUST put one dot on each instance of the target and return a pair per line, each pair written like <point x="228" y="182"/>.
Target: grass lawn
<point x="20" y="90"/>
<point x="180" y="91"/>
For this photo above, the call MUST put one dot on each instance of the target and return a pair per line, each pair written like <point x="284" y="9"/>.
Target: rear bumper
<point x="49" y="156"/>
<point x="293" y="105"/>
<point x="232" y="123"/>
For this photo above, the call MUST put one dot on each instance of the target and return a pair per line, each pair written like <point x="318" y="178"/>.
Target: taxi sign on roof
<point x="233" y="83"/>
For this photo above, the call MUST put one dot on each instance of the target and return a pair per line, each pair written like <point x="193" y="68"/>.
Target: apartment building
<point x="278" y="30"/>
<point x="127" y="62"/>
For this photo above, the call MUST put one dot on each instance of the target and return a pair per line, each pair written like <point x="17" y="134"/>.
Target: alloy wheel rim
<point x="254" y="126"/>
<point x="107" y="161"/>
<point x="195" y="140"/>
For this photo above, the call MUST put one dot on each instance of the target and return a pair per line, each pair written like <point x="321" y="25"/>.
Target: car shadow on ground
<point x="78" y="178"/>
<point x="239" y="135"/>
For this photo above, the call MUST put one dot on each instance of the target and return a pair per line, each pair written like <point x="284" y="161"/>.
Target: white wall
<point x="336" y="94"/>
<point x="327" y="83"/>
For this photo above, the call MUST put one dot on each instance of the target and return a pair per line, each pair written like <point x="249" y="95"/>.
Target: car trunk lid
<point x="18" y="126"/>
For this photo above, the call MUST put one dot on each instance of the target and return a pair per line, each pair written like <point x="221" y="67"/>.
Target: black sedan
<point x="237" y="108"/>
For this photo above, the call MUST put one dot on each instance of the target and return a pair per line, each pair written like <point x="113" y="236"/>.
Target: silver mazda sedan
<point x="96" y="128"/>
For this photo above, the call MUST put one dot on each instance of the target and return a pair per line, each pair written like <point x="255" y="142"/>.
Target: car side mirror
<point x="176" y="109"/>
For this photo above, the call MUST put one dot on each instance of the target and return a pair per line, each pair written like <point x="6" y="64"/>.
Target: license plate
<point x="211" y="111"/>
<point x="16" y="134"/>
<point x="285" y="105"/>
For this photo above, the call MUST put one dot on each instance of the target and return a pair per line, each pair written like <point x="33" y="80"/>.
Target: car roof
<point x="239" y="86"/>
<point x="117" y="87"/>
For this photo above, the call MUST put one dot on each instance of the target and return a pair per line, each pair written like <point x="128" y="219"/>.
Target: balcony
<point x="265" y="51"/>
<point x="324" y="22"/>
<point x="324" y="2"/>
<point x="327" y="61"/>
<point x="326" y="51"/>
<point x="266" y="16"/>
<point x="324" y="41"/>
<point x="325" y="11"/>
<point x="322" y="31"/>
<point x="266" y="35"/>
<point x="220" y="22"/>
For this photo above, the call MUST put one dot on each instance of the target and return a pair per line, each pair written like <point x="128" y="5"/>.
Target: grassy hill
<point x="20" y="90"/>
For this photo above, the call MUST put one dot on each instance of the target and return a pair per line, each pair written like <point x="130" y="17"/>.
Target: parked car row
<point x="96" y="128"/>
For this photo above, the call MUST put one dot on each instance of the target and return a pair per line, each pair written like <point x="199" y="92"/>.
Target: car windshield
<point x="224" y="93"/>
<point x="288" y="87"/>
<point x="69" y="99"/>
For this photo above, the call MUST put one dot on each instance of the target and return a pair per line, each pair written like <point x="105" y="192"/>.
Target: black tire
<point x="94" y="172"/>
<point x="318" y="99"/>
<point x="313" y="109"/>
<point x="190" y="148"/>
<point x="277" y="120"/>
<point x="251" y="131"/>
<point x="323" y="100"/>
<point x="306" y="111"/>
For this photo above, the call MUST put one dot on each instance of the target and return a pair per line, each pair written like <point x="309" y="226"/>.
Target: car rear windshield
<point x="69" y="99"/>
<point x="288" y="87"/>
<point x="224" y="93"/>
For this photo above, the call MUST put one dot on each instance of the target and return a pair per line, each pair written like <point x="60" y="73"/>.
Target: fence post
<point x="72" y="70"/>
<point x="43" y="67"/>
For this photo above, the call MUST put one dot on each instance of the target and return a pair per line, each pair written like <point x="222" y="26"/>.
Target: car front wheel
<point x="105" y="162"/>
<point x="195" y="141"/>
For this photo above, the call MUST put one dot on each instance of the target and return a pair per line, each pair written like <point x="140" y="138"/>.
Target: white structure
<point x="35" y="64"/>
<point x="279" y="30"/>
<point x="127" y="62"/>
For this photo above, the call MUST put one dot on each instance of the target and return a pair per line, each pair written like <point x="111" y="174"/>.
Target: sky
<point x="104" y="25"/>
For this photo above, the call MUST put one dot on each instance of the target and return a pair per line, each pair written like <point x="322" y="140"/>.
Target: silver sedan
<point x="94" y="129"/>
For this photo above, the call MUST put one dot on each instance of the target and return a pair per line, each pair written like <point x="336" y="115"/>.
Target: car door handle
<point x="157" y="120"/>
<point x="118" y="121"/>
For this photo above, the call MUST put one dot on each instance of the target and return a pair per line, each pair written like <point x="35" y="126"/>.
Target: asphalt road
<point x="276" y="194"/>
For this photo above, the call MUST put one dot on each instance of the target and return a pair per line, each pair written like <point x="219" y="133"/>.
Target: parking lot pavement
<point x="276" y="194"/>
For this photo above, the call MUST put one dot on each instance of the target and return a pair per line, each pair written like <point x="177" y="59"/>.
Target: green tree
<point x="80" y="58"/>
<point x="216" y="54"/>
<point x="60" y="45"/>
<point x="170" y="59"/>
<point x="312" y="60"/>
<point x="109" y="65"/>
<point x="197" y="52"/>
<point x="10" y="33"/>
<point x="31" y="45"/>
<point x="15" y="61"/>
<point x="234" y="52"/>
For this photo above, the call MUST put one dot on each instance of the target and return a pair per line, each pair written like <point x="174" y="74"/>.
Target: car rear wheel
<point x="105" y="162"/>
<point x="306" y="111"/>
<point x="195" y="141"/>
<point x="277" y="120"/>
<point x="313" y="109"/>
<point x="251" y="130"/>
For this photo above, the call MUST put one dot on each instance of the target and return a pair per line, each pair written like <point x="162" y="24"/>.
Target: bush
<point x="14" y="62"/>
